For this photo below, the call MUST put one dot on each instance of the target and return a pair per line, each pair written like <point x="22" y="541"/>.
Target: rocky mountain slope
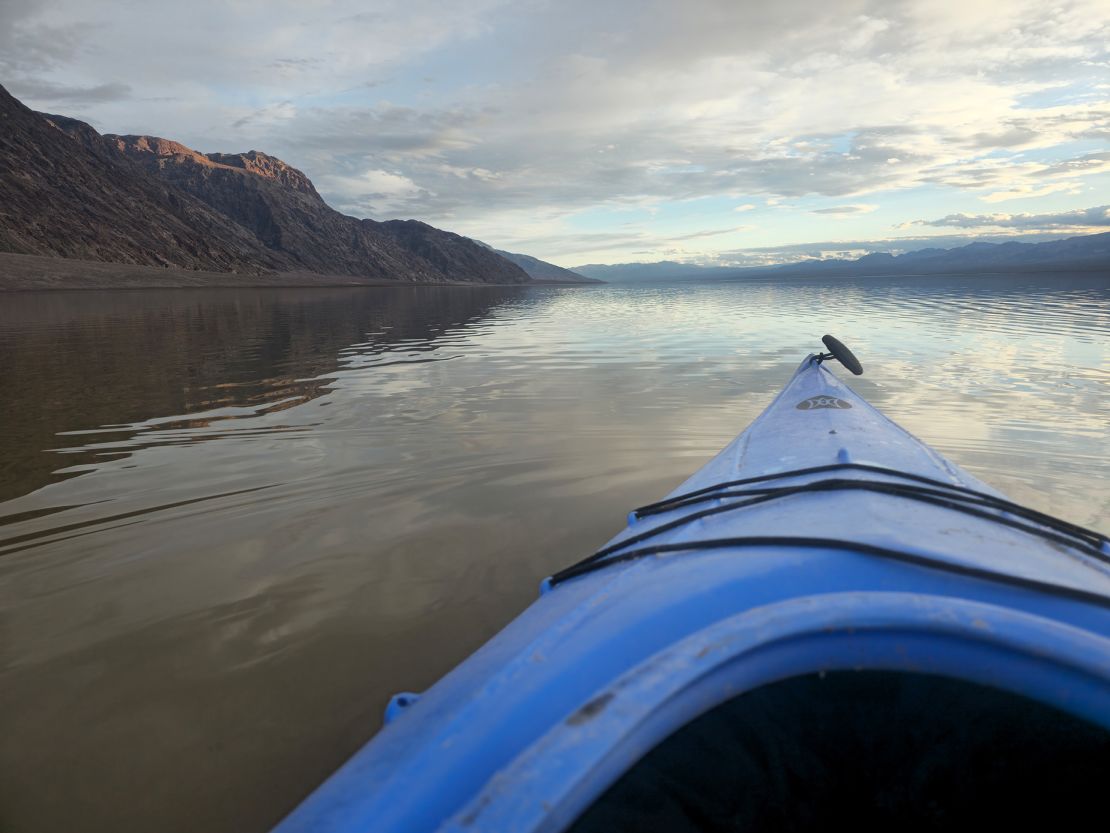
<point x="66" y="190"/>
<point x="280" y="206"/>
<point x="65" y="199"/>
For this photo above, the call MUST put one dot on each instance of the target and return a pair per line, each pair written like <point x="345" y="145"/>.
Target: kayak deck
<point x="609" y="661"/>
<point x="836" y="458"/>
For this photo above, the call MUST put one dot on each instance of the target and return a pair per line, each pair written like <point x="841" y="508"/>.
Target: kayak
<point x="829" y="618"/>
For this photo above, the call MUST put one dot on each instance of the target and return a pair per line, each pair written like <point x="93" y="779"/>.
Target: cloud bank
<point x="526" y="122"/>
<point x="1079" y="221"/>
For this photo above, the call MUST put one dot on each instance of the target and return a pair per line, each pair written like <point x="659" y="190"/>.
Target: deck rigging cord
<point x="923" y="489"/>
<point x="848" y="546"/>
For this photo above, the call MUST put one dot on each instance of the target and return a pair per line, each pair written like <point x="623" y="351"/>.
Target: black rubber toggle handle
<point x="843" y="355"/>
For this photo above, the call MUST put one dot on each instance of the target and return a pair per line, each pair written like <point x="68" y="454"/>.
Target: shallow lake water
<point x="233" y="522"/>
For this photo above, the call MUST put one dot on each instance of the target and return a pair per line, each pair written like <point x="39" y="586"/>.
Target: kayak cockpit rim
<point x="886" y="749"/>
<point x="556" y="778"/>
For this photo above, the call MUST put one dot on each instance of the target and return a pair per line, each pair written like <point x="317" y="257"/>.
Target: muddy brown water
<point x="235" y="521"/>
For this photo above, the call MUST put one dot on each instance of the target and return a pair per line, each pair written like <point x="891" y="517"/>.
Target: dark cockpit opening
<point x="864" y="751"/>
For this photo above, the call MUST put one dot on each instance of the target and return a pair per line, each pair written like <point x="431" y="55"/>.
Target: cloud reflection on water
<point x="312" y="499"/>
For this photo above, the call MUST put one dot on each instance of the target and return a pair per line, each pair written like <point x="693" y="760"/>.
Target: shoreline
<point x="38" y="273"/>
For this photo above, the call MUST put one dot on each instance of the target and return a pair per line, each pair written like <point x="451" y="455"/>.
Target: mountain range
<point x="70" y="195"/>
<point x="1083" y="253"/>
<point x="66" y="191"/>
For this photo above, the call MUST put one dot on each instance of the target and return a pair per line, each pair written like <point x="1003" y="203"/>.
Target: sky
<point x="723" y="132"/>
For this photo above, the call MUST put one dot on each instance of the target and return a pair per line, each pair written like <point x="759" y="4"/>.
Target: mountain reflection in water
<point x="236" y="521"/>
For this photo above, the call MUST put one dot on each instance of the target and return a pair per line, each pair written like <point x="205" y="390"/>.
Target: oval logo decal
<point x="815" y="402"/>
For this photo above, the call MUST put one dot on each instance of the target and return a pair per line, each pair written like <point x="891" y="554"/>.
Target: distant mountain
<point x="541" y="270"/>
<point x="67" y="191"/>
<point x="664" y="270"/>
<point x="1082" y="253"/>
<point x="1086" y="252"/>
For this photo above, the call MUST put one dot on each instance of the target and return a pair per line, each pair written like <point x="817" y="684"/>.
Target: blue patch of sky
<point x="1064" y="150"/>
<point x="608" y="216"/>
<point x="840" y="144"/>
<point x="1077" y="92"/>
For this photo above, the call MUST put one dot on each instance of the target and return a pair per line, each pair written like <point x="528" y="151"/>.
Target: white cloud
<point x="389" y="184"/>
<point x="373" y="191"/>
<point x="698" y="235"/>
<point x="1026" y="190"/>
<point x="1080" y="220"/>
<point x="841" y="211"/>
